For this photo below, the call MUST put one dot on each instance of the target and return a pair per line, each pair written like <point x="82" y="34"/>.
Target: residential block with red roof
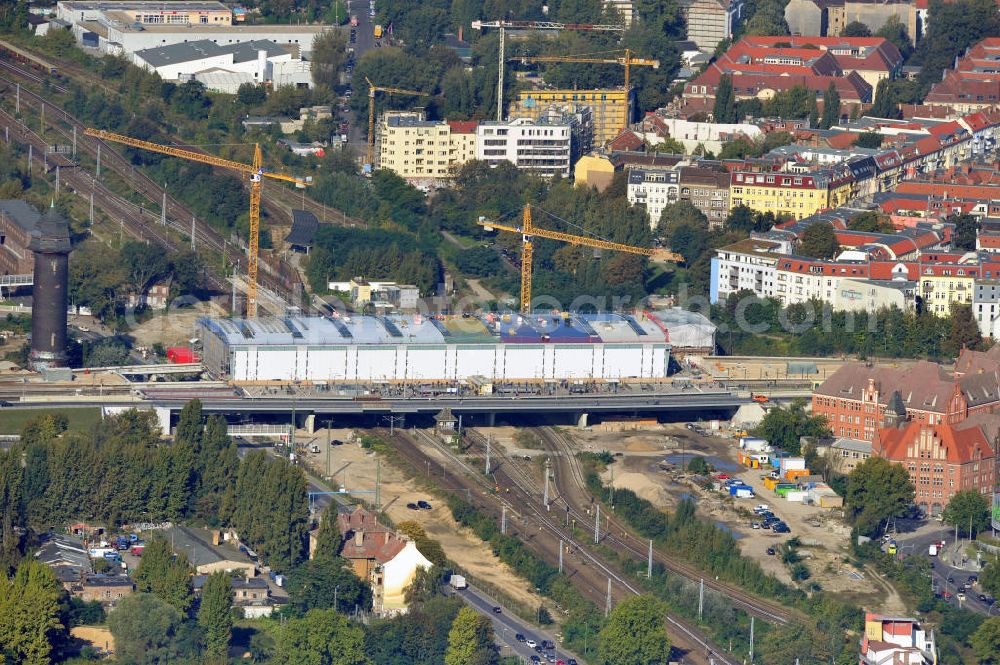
<point x="974" y="84"/>
<point x="763" y="66"/>
<point x="388" y="560"/>
<point x="896" y="641"/>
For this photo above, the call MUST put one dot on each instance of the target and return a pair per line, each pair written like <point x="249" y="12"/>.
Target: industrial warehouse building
<point x="550" y="347"/>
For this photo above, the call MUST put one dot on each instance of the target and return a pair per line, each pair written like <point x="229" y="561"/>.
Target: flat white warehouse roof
<point x="559" y="328"/>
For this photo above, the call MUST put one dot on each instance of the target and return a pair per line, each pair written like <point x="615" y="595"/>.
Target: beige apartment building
<point x="424" y="150"/>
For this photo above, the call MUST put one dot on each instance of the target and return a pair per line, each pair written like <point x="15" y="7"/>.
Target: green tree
<point x="819" y="241"/>
<point x="870" y="140"/>
<point x="215" y="614"/>
<point x="856" y="29"/>
<point x="894" y="30"/>
<point x="831" y="107"/>
<point x="680" y="213"/>
<point x="783" y="427"/>
<point x="29" y="613"/>
<point x="877" y="490"/>
<point x="327" y="582"/>
<point x="470" y="641"/>
<point x="271" y="509"/>
<point x="698" y="465"/>
<point x="963" y="330"/>
<point x="989" y="577"/>
<point x="952" y="28"/>
<point x="146" y="630"/>
<point x="328" y="539"/>
<point x="321" y="637"/>
<point x="635" y="633"/>
<point x="429" y="547"/>
<point x="871" y="222"/>
<point x="885" y="105"/>
<point x="968" y="508"/>
<point x="328" y="56"/>
<point x="724" y="109"/>
<point x="688" y="241"/>
<point x="164" y="575"/>
<point x="966" y="231"/>
<point x="251" y="94"/>
<point x="985" y="642"/>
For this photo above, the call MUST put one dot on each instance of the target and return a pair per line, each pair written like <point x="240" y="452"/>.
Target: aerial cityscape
<point x="607" y="332"/>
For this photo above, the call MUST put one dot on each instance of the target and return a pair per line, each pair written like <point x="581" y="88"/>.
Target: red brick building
<point x="17" y="221"/>
<point x="853" y="399"/>
<point x="942" y="459"/>
<point x="942" y="426"/>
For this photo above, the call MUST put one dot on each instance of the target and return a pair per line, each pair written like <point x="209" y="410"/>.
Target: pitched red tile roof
<point x="960" y="445"/>
<point x="626" y="141"/>
<point x="463" y="126"/>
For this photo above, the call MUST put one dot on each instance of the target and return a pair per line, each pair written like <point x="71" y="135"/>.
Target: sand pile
<point x="644" y="487"/>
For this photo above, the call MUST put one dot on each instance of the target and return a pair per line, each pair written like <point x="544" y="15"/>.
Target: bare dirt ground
<point x="649" y="465"/>
<point x="355" y="468"/>
<point x="174" y="327"/>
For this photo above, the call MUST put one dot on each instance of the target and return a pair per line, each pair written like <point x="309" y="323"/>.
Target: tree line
<point x="123" y="472"/>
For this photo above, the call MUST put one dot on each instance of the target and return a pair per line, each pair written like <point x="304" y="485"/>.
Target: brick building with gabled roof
<point x="388" y="560"/>
<point x="942" y="459"/>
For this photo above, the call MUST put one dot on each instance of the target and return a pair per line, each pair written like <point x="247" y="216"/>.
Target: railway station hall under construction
<point x="415" y="348"/>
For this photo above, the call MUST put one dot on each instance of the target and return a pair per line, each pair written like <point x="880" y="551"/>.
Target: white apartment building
<point x="537" y="146"/>
<point x="423" y="150"/>
<point x="749" y="264"/>
<point x="653" y="188"/>
<point x="986" y="307"/>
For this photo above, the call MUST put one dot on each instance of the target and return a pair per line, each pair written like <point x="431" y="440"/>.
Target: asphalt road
<point x="918" y="543"/>
<point x="507" y="626"/>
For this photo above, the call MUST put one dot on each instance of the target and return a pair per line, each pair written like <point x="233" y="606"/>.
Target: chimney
<point x="262" y="66"/>
<point x="359" y="538"/>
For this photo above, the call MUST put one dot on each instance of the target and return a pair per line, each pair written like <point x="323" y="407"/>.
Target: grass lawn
<point x="12" y="419"/>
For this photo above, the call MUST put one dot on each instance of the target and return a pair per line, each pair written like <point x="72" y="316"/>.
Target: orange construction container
<point x="792" y="474"/>
<point x="770" y="483"/>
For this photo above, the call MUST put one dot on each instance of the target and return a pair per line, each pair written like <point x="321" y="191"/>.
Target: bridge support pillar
<point x="310" y="423"/>
<point x="491" y="419"/>
<point x="581" y="420"/>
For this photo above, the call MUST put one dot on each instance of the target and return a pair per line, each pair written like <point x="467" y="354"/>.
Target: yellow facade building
<point x="418" y="149"/>
<point x="611" y="109"/>
<point x="170" y="13"/>
<point x="942" y="284"/>
<point x="795" y="195"/>
<point x="594" y="171"/>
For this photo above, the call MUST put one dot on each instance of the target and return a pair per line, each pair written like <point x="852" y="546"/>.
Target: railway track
<point x="142" y="183"/>
<point x="129" y="214"/>
<point x="279" y="201"/>
<point x="590" y="574"/>
<point x="571" y="488"/>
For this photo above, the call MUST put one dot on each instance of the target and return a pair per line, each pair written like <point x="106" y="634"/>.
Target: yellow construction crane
<point x="372" y="89"/>
<point x="626" y="59"/>
<point x="528" y="231"/>
<point x="255" y="171"/>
